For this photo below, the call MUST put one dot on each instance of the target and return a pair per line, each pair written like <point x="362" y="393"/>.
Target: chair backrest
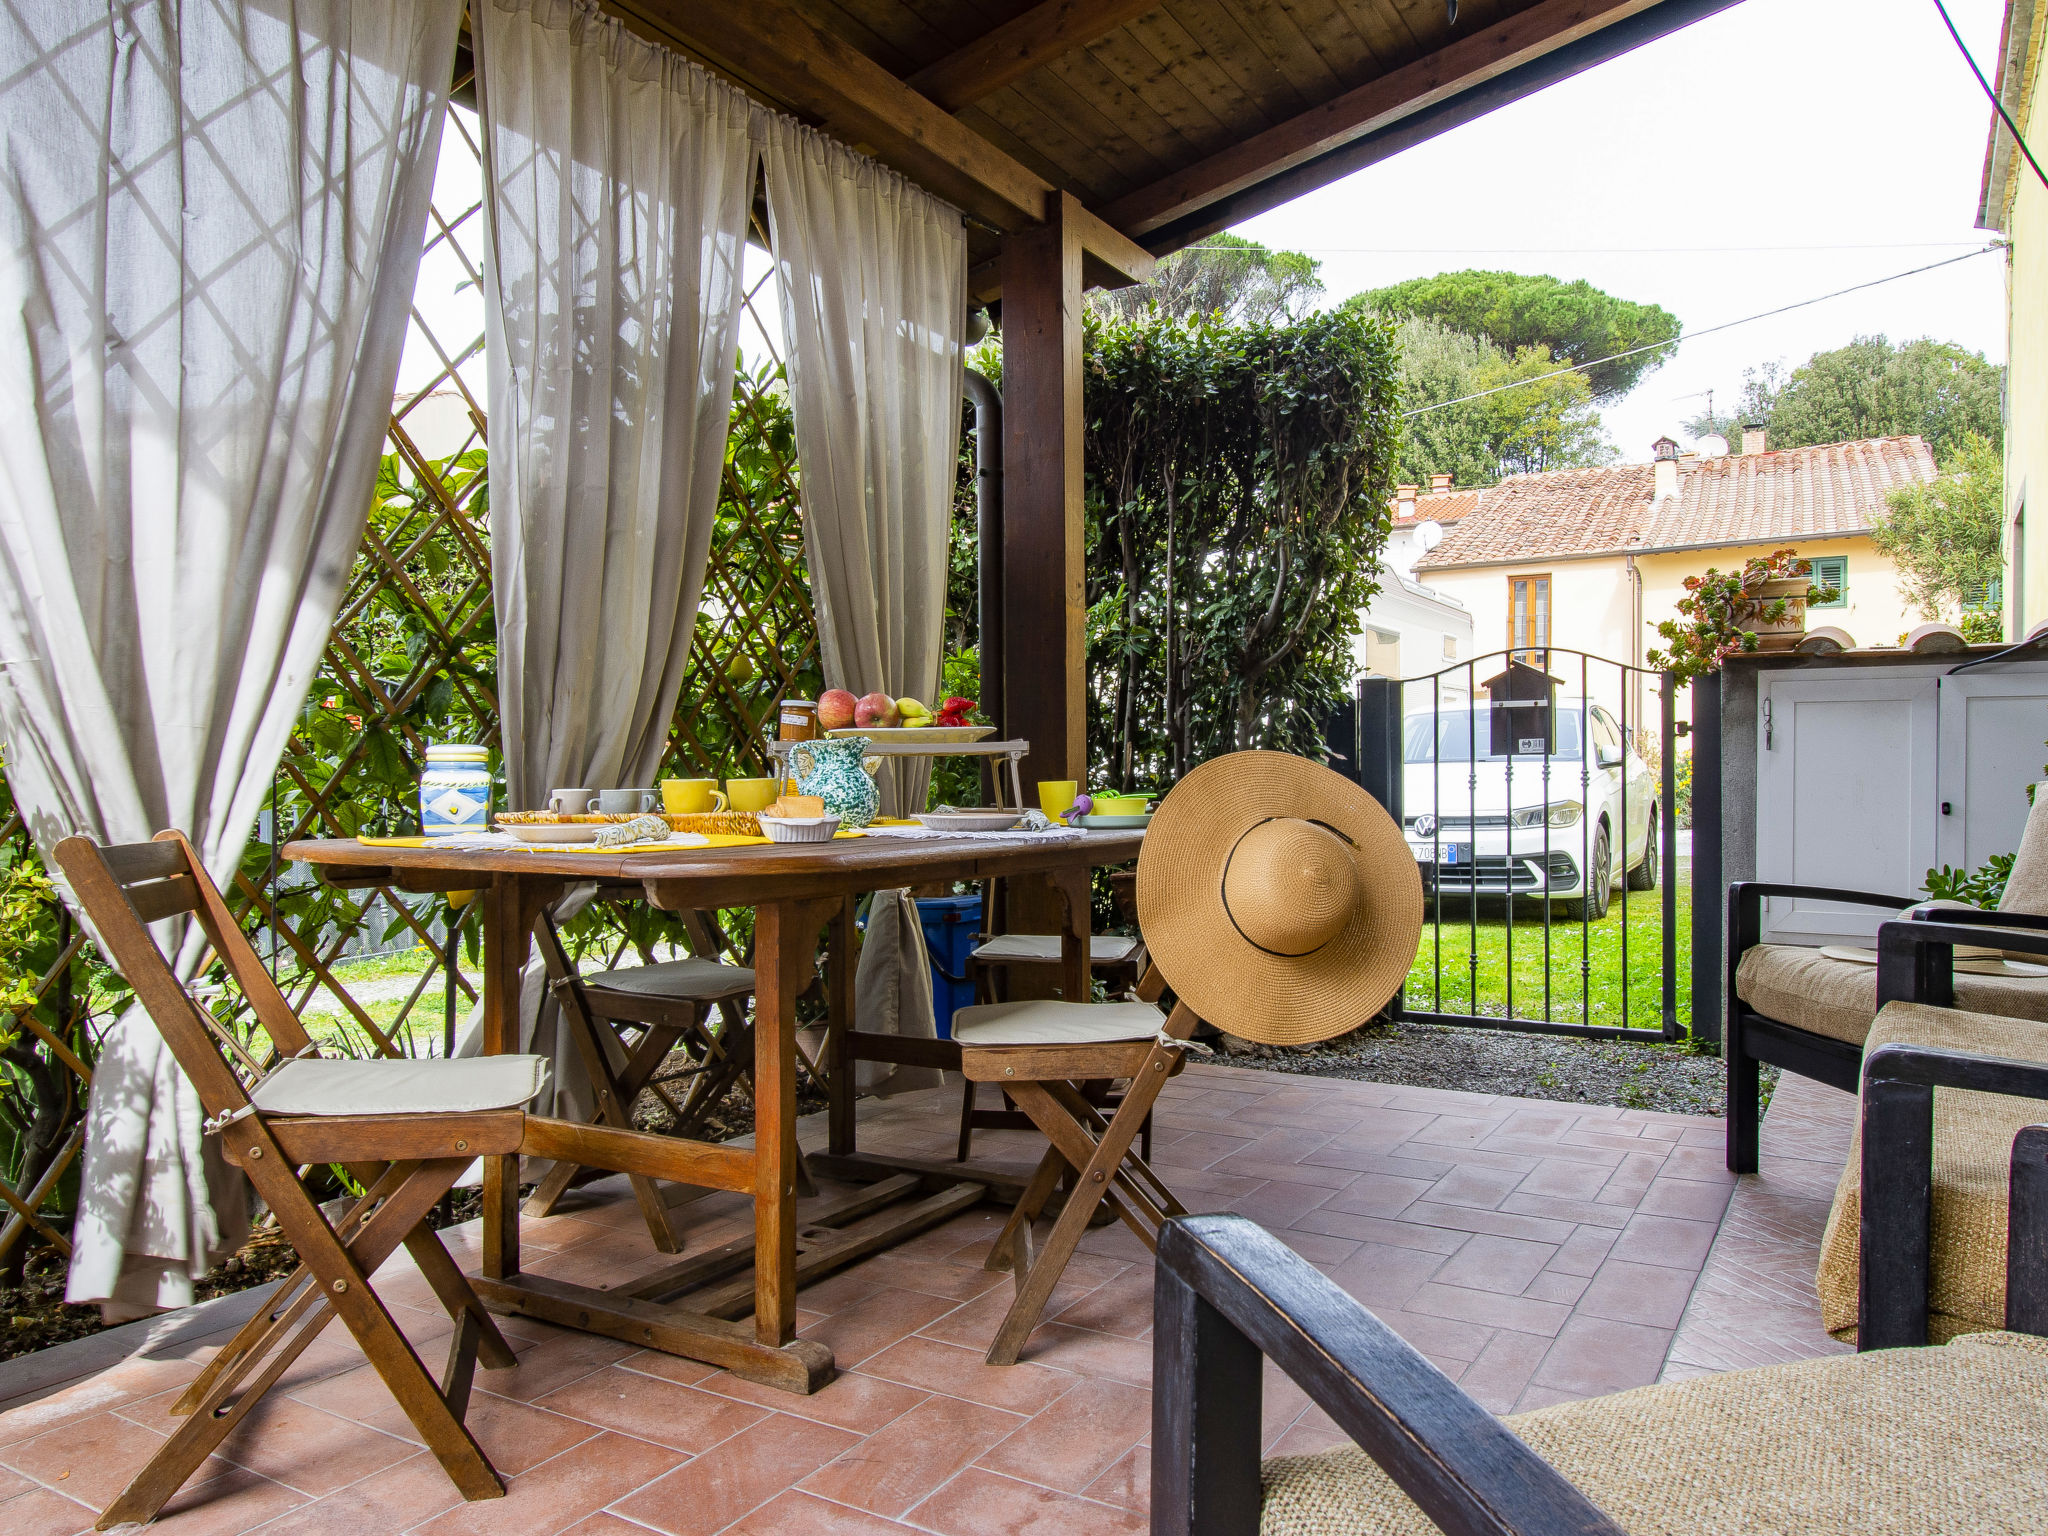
<point x="124" y="889"/>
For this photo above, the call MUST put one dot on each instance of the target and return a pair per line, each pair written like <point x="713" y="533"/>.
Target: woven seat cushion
<point x="1898" y="1442"/>
<point x="1103" y="948"/>
<point x="1973" y="1135"/>
<point x="1048" y="1023"/>
<point x="1838" y="998"/>
<point x="327" y="1085"/>
<point x="690" y="979"/>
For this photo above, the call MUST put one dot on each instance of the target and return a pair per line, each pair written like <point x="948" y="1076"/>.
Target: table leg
<point x="843" y="956"/>
<point x="785" y="937"/>
<point x="511" y="903"/>
<point x="1076" y="897"/>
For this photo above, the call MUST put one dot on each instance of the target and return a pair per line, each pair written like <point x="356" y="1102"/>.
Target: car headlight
<point x="1565" y="813"/>
<point x="1424" y="825"/>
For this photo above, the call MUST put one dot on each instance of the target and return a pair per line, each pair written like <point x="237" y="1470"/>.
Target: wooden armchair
<point x="1896" y="1441"/>
<point x="404" y="1130"/>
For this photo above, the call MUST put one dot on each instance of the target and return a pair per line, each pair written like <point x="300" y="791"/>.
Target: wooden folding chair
<point x="625" y="1023"/>
<point x="405" y="1130"/>
<point x="1053" y="1058"/>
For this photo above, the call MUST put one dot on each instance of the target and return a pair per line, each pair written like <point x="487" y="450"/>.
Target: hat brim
<point x="1214" y="969"/>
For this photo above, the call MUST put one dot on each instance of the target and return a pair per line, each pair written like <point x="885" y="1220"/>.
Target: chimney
<point x="1667" y="468"/>
<point x="1439" y="485"/>
<point x="1404" y="502"/>
<point x="1753" y="437"/>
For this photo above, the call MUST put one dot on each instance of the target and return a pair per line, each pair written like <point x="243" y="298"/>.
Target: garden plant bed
<point x="1622" y="1073"/>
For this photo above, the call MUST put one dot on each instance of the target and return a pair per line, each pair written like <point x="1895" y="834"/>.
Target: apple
<point x="875" y="709"/>
<point x="836" y="709"/>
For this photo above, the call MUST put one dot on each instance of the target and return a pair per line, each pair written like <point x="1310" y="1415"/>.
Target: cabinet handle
<point x="1944" y="808"/>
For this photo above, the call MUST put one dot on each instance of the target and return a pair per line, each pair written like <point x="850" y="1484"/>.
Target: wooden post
<point x="1044" y="635"/>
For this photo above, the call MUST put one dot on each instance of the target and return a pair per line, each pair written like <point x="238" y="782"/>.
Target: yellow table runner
<point x="710" y="840"/>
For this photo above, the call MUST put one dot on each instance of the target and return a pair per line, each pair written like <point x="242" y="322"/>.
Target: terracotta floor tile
<point x="602" y="1524"/>
<point x="1503" y="1264"/>
<point x="978" y="1503"/>
<point x="1584" y="1251"/>
<point x="1122" y="1307"/>
<point x="1593" y="1355"/>
<point x="552" y="1363"/>
<point x="1381" y="1275"/>
<point x="93" y="1459"/>
<point x="1489" y="1309"/>
<point x="1377" y="1194"/>
<point x="891" y="1471"/>
<point x="949" y="1278"/>
<point x="1087" y="1353"/>
<point x="557" y="1493"/>
<point x="39" y="1512"/>
<point x="973" y="1324"/>
<point x="652" y="1409"/>
<point x="1501" y="1374"/>
<point x="875" y="1322"/>
<point x="1377" y="1229"/>
<point x="1637" y="1293"/>
<point x="852" y="1400"/>
<point x="234" y="1502"/>
<point x="1665" y="1240"/>
<point x="395" y="1499"/>
<point x="1554" y="1286"/>
<point x="735" y="1477"/>
<point x="917" y="1361"/>
<point x="304" y="1448"/>
<point x="1078" y="1438"/>
<point x="1446" y="1340"/>
<point x="1128" y="1483"/>
<point x="845" y="1288"/>
<point x="1577" y="1212"/>
<point x="1472" y="1218"/>
<point x="799" y="1514"/>
<point x="1686" y="1198"/>
<point x="1556" y="1177"/>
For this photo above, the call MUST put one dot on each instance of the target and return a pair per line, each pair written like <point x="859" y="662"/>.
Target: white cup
<point x="571" y="802"/>
<point x="628" y="802"/>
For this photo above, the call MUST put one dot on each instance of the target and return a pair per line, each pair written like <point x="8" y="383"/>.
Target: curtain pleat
<point x="210" y="225"/>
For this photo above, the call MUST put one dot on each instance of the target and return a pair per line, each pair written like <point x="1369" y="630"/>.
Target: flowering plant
<point x="1718" y="613"/>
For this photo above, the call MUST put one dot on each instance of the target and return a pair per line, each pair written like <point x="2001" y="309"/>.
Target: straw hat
<point x="1279" y="900"/>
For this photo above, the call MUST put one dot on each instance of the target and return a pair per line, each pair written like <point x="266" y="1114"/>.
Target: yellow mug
<point x="691" y="797"/>
<point x="1057" y="796"/>
<point x="752" y="794"/>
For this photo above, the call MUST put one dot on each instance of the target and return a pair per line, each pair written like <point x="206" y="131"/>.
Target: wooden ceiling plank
<point x="1142" y="123"/>
<point x="1162" y="35"/>
<point x="1052" y="92"/>
<point x="768" y="43"/>
<point x="1337" y="42"/>
<point x="1218" y="32"/>
<point x="877" y="30"/>
<point x="1021" y="45"/>
<point x="1274" y="33"/>
<point x="1175" y="99"/>
<point x="1384" y="31"/>
<point x="1352" y="114"/>
<point x="1048" y="146"/>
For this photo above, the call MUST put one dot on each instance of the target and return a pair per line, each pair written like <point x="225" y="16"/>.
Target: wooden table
<point x="795" y="890"/>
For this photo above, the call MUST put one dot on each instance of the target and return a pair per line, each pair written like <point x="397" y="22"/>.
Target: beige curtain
<point x="618" y="177"/>
<point x="874" y="297"/>
<point x="210" y="223"/>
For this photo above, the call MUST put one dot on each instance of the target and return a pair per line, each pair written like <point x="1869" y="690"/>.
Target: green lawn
<point x="1584" y="979"/>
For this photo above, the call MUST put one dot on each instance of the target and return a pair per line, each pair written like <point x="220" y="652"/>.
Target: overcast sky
<point x="1850" y="131"/>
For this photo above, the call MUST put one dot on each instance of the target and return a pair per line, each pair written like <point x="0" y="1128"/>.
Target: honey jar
<point x="798" y="720"/>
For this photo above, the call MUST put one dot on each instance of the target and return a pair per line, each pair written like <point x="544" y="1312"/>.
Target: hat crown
<point x="1291" y="886"/>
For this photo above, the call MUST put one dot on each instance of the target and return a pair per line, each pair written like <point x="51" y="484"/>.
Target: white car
<point x="1478" y="829"/>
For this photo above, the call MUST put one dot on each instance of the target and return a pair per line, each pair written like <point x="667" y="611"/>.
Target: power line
<point x="1726" y="325"/>
<point x="1603" y="250"/>
<point x="1996" y="105"/>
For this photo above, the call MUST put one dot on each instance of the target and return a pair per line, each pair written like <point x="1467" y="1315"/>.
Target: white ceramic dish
<point x="970" y="821"/>
<point x="921" y="735"/>
<point x="1113" y="823"/>
<point x="553" y="831"/>
<point x="798" y="829"/>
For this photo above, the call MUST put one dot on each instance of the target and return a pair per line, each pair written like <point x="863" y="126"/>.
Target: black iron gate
<point x="1524" y="784"/>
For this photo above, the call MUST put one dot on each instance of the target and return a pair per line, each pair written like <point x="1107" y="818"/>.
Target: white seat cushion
<point x="1103" y="948"/>
<point x="330" y="1085"/>
<point x="1053" y="1023"/>
<point x="691" y="979"/>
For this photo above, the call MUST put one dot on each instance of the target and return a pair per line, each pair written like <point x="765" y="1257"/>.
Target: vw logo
<point x="1425" y="825"/>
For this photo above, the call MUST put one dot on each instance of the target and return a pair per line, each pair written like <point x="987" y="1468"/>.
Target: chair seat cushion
<point x="1972" y="1163"/>
<point x="1898" y="1442"/>
<point x="1013" y="948"/>
<point x="1053" y="1023"/>
<point x="691" y="979"/>
<point x="1838" y="998"/>
<point x="332" y="1085"/>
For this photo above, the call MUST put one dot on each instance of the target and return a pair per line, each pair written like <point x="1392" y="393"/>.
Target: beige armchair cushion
<point x="1054" y="1023"/>
<point x="1025" y="948"/>
<point x="337" y="1085"/>
<point x="1838" y="998"/>
<point x="1972" y="1162"/>
<point x="1898" y="1442"/>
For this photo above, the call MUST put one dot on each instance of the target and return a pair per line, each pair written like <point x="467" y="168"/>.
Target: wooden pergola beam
<point x="771" y="47"/>
<point x="1019" y="46"/>
<point x="1468" y="62"/>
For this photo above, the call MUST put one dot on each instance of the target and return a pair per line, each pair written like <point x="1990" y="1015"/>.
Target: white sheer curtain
<point x="874" y="298"/>
<point x="619" y="176"/>
<point x="211" y="218"/>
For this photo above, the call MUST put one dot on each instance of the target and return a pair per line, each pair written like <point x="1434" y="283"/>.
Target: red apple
<point x="836" y="709"/>
<point x="875" y="709"/>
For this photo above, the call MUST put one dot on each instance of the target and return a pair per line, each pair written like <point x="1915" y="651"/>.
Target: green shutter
<point x="1831" y="571"/>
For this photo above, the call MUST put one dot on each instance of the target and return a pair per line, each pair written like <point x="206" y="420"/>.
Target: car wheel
<point x="1644" y="876"/>
<point x="1592" y="906"/>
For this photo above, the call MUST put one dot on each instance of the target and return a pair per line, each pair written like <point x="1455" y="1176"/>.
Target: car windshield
<point x="1463" y="735"/>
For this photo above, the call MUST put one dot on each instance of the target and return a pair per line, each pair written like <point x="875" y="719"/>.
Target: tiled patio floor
<point x="1536" y="1251"/>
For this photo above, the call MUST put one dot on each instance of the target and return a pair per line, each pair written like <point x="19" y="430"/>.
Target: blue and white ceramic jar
<point x="455" y="791"/>
<point x="840" y="773"/>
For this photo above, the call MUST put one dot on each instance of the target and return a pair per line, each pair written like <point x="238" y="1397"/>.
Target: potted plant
<point x="1761" y="607"/>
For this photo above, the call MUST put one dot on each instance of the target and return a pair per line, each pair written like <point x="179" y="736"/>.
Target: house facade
<point x="1411" y="629"/>
<point x="2013" y="203"/>
<point x="1592" y="559"/>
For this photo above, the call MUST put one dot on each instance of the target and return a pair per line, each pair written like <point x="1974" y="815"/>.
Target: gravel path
<point x="1621" y="1073"/>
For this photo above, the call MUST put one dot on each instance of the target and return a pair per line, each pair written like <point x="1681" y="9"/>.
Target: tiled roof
<point x="1754" y="498"/>
<point x="1449" y="507"/>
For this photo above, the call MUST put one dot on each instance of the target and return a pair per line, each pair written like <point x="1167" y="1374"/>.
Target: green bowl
<point x="1120" y="805"/>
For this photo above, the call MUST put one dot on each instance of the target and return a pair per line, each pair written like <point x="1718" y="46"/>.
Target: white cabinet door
<point x="1992" y="727"/>
<point x="1846" y="780"/>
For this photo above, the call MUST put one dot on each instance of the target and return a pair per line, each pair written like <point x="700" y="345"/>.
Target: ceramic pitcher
<point x="839" y="772"/>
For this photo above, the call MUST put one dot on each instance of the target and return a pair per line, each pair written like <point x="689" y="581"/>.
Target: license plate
<point x="1456" y="853"/>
